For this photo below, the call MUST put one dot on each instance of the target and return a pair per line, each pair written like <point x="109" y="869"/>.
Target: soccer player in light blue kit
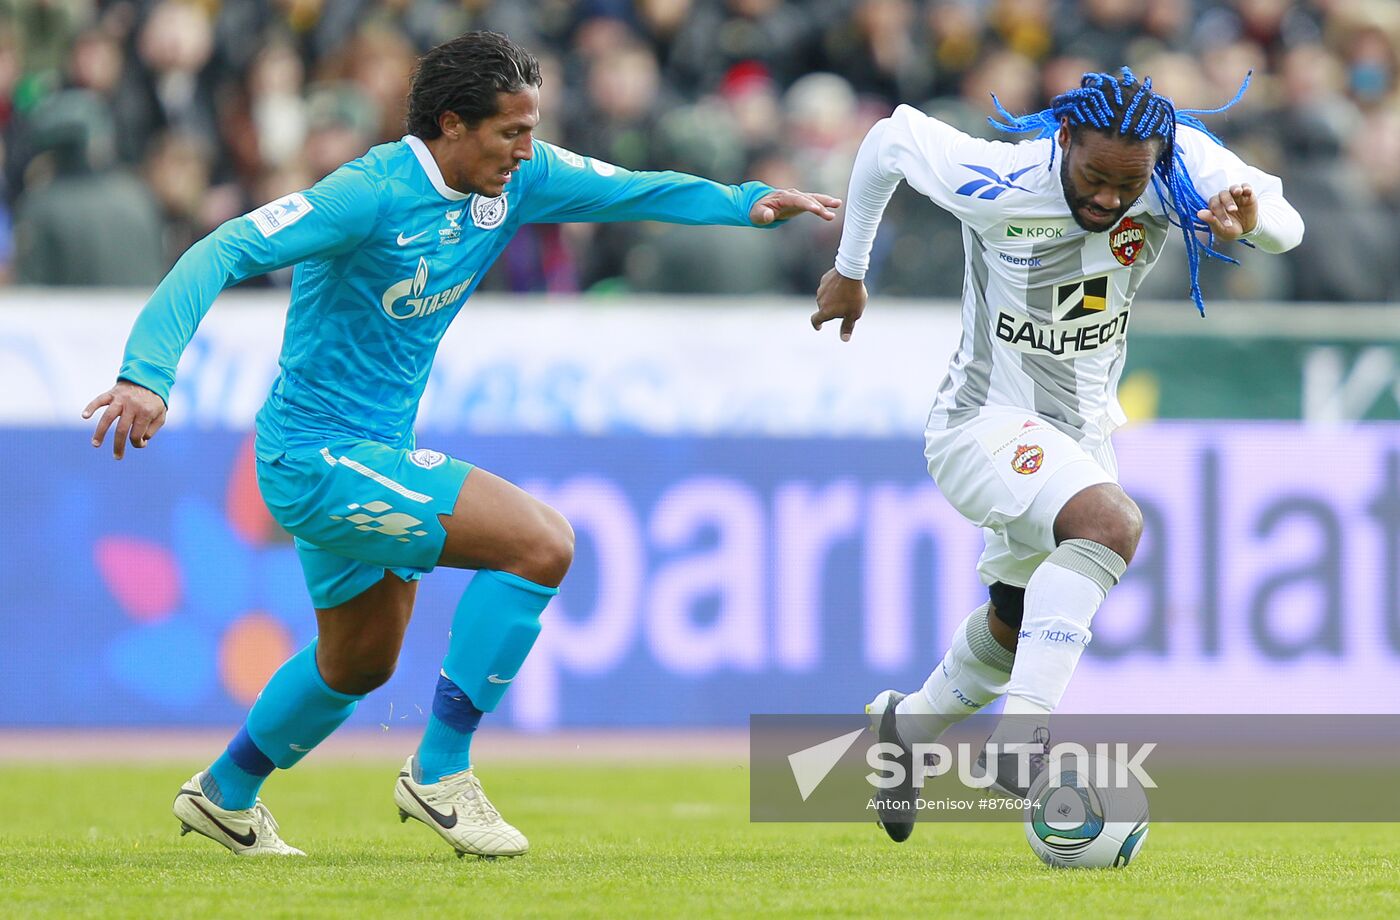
<point x="387" y="250"/>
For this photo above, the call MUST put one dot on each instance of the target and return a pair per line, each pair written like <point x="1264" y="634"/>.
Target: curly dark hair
<point x="465" y="75"/>
<point x="1120" y="106"/>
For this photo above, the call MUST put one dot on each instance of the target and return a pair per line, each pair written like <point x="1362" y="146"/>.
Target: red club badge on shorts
<point x="1027" y="458"/>
<point x="1126" y="241"/>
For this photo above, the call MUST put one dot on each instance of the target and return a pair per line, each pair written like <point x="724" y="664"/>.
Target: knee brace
<point x="1008" y="603"/>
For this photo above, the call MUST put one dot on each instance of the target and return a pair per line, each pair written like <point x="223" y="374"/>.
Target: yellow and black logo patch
<point x="1082" y="298"/>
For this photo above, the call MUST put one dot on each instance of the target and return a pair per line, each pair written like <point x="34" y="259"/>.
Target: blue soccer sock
<point x="234" y="779"/>
<point x="446" y="747"/>
<point x="296" y="711"/>
<point x="494" y="628"/>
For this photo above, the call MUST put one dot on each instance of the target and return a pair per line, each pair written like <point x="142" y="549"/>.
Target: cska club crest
<point x="1126" y="241"/>
<point x="1027" y="459"/>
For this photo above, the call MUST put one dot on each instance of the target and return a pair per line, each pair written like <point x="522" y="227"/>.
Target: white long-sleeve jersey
<point x="1045" y="303"/>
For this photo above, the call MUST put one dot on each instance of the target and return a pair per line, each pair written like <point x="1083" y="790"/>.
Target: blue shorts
<point x="358" y="509"/>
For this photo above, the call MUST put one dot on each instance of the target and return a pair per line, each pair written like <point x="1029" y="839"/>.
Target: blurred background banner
<point x="517" y="364"/>
<point x="709" y="365"/>
<point x="736" y="554"/>
<point x="757" y="531"/>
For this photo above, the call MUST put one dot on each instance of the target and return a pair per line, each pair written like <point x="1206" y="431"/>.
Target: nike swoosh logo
<point x="445" y="821"/>
<point x="496" y="679"/>
<point x="299" y="749"/>
<point x="405" y="240"/>
<point x="246" y="840"/>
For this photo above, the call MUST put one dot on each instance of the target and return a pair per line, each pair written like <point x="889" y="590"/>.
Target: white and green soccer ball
<point x="1091" y="815"/>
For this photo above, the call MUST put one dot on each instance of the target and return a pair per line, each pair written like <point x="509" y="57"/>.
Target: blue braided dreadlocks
<point x="1131" y="109"/>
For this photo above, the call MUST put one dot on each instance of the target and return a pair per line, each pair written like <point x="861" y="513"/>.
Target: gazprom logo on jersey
<point x="993" y="183"/>
<point x="405" y="300"/>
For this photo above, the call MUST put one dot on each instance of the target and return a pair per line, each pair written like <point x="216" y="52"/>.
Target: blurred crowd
<point x="131" y="128"/>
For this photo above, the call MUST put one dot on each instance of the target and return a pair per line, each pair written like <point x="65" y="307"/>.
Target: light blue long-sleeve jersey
<point x="386" y="254"/>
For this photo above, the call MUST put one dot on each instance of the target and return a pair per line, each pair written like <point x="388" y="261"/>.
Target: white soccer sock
<point x="973" y="673"/>
<point x="1061" y="599"/>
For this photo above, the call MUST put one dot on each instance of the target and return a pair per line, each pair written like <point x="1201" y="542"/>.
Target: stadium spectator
<point x="177" y="171"/>
<point x="174" y="46"/>
<point x="275" y="89"/>
<point x="86" y="222"/>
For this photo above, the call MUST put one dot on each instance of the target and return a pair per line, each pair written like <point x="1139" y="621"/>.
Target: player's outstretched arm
<point x="560" y="186"/>
<point x="787" y="203"/>
<point x="138" y="413"/>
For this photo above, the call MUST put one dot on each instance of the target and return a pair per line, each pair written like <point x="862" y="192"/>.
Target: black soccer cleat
<point x="1008" y="766"/>
<point x="896" y="807"/>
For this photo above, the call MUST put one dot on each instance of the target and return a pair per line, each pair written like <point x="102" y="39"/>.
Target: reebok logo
<point x="811" y="765"/>
<point x="1020" y="261"/>
<point x="992" y="184"/>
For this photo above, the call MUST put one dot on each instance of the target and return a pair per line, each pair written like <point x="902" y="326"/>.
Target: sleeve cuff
<point x="848" y="269"/>
<point x="145" y="374"/>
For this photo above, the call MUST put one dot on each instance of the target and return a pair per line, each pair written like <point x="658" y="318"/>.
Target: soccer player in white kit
<point x="1018" y="437"/>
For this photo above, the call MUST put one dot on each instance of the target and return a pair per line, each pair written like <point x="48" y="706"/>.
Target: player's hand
<point x="138" y="412"/>
<point x="1231" y="213"/>
<point x="782" y="204"/>
<point x="839" y="297"/>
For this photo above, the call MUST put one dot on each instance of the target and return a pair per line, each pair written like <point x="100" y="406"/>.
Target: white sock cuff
<point x="983" y="645"/>
<point x="1094" y="561"/>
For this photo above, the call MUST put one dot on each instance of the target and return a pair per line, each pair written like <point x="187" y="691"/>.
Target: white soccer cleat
<point x="458" y="809"/>
<point x="245" y="831"/>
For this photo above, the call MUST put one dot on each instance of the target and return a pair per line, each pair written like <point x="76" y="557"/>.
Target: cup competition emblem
<point x="1027" y="459"/>
<point x="1126" y="241"/>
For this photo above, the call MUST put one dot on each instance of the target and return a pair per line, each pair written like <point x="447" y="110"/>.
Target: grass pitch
<point x="630" y="841"/>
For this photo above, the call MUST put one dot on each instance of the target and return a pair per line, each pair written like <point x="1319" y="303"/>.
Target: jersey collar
<point x="425" y="160"/>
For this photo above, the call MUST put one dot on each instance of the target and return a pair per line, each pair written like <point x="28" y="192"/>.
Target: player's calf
<point x="1061" y="599"/>
<point x="359" y="641"/>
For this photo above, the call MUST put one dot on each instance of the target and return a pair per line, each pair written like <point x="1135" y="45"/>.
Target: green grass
<point x="613" y="842"/>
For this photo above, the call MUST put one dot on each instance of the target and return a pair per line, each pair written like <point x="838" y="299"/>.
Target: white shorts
<point x="1009" y="471"/>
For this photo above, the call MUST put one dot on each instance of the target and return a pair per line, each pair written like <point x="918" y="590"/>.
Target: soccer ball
<point x="1090" y="815"/>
